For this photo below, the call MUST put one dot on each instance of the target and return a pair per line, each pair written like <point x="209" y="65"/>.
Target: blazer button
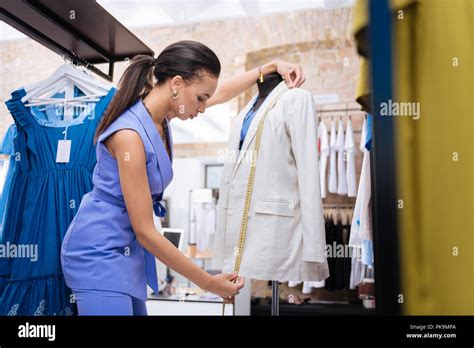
<point x="291" y="205"/>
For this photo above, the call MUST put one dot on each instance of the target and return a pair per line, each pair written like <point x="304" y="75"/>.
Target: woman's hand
<point x="225" y="285"/>
<point x="291" y="73"/>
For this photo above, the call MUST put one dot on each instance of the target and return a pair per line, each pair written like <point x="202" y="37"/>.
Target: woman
<point x="108" y="253"/>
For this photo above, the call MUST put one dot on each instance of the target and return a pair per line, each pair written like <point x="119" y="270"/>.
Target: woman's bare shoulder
<point x="124" y="141"/>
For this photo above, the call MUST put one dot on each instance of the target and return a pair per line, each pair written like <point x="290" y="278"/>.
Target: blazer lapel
<point x="234" y="137"/>
<point x="254" y="125"/>
<point x="164" y="161"/>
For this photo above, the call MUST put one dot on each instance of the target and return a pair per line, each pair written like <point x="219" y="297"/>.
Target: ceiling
<point x="140" y="13"/>
<point x="166" y="12"/>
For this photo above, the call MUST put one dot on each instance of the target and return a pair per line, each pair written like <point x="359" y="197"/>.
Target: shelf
<point x="82" y="30"/>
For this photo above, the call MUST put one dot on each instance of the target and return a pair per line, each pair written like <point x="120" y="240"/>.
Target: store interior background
<point x="315" y="34"/>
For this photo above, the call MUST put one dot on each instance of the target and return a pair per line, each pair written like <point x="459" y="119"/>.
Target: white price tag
<point x="64" y="151"/>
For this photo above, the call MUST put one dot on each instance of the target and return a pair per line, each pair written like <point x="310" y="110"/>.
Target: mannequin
<point x="265" y="87"/>
<point x="285" y="235"/>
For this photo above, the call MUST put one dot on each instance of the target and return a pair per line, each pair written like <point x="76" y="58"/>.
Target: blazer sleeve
<point x="302" y="128"/>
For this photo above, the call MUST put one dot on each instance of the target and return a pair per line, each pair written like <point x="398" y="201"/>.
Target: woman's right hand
<point x="225" y="285"/>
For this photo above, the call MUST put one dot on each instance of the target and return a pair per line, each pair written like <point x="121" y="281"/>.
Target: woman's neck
<point x="157" y="103"/>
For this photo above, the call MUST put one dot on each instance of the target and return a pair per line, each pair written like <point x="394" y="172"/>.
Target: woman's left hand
<point x="291" y="73"/>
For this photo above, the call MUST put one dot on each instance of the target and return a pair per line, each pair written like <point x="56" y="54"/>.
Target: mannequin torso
<point x="265" y="88"/>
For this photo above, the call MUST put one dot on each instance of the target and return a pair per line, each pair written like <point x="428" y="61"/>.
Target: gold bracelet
<point x="260" y="74"/>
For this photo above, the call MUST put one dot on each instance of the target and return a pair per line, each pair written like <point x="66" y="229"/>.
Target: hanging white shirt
<point x="332" y="187"/>
<point x="361" y="227"/>
<point x="358" y="270"/>
<point x="350" y="157"/>
<point x="341" y="165"/>
<point x="323" y="143"/>
<point x="203" y="225"/>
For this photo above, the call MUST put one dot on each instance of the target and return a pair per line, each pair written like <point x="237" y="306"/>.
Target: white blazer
<point x="285" y="236"/>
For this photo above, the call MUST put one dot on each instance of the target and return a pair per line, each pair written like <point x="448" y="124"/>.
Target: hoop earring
<point x="174" y="94"/>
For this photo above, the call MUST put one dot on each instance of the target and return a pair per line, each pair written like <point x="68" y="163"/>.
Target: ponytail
<point x="184" y="58"/>
<point x="136" y="82"/>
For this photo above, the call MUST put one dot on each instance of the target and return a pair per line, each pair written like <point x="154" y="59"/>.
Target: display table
<point x="185" y="305"/>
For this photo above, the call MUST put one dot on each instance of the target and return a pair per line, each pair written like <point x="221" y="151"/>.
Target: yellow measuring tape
<point x="248" y="196"/>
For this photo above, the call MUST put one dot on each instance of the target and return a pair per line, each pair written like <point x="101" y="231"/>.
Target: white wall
<point x="189" y="174"/>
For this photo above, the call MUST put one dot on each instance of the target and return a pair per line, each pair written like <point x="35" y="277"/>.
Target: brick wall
<point x="317" y="39"/>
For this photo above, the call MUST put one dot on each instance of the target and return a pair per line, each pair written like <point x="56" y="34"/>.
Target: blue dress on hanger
<point x="45" y="196"/>
<point x="7" y="148"/>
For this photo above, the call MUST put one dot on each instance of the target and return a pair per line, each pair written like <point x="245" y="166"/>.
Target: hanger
<point x="43" y="94"/>
<point x="75" y="71"/>
<point x="64" y="79"/>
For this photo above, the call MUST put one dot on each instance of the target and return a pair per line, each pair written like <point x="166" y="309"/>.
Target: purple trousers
<point x="100" y="302"/>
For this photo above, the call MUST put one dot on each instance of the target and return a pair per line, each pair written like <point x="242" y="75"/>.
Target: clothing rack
<point x="339" y="110"/>
<point x="77" y="61"/>
<point x="346" y="110"/>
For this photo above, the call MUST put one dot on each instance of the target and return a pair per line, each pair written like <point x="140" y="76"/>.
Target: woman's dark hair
<point x="184" y="58"/>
